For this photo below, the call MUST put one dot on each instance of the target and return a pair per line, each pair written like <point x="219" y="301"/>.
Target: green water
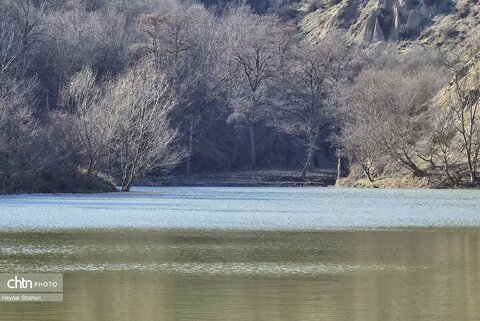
<point x="137" y="274"/>
<point x="247" y="254"/>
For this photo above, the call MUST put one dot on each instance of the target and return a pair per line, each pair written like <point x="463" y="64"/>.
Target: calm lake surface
<point x="248" y="254"/>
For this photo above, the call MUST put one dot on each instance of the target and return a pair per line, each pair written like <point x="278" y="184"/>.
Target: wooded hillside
<point x="113" y="88"/>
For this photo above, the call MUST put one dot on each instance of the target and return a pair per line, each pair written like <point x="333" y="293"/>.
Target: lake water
<point x="248" y="254"/>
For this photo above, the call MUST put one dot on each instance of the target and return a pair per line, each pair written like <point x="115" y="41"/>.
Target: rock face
<point x="370" y="21"/>
<point x="401" y="19"/>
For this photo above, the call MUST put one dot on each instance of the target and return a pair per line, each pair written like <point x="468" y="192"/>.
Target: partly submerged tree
<point x="144" y="139"/>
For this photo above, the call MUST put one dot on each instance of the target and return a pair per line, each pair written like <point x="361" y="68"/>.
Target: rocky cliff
<point x="432" y="22"/>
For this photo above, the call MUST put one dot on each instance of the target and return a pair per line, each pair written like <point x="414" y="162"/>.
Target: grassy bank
<point x="402" y="180"/>
<point x="388" y="182"/>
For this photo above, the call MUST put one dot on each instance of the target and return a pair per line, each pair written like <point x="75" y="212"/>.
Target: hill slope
<point x="450" y="25"/>
<point x="443" y="23"/>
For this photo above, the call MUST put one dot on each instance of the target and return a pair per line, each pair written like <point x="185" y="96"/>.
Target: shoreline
<point x="236" y="178"/>
<point x="401" y="182"/>
<point x="246" y="178"/>
<point x="255" y="178"/>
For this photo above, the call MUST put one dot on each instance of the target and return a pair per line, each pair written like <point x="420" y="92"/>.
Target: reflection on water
<point x="408" y="274"/>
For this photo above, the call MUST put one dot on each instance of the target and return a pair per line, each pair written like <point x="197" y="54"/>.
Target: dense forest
<point x="98" y="92"/>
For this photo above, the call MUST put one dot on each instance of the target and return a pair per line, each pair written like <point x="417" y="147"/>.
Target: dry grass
<point x="407" y="181"/>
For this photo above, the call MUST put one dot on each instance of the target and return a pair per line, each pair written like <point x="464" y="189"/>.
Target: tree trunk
<point x="128" y="178"/>
<point x="449" y="176"/>
<point x="90" y="169"/>
<point x="190" y="148"/>
<point x="471" y="166"/>
<point x="127" y="185"/>
<point x="235" y="151"/>
<point x="366" y="170"/>
<point x="189" y="160"/>
<point x="309" y="161"/>
<point x="473" y="176"/>
<point x="253" y="153"/>
<point x="339" y="167"/>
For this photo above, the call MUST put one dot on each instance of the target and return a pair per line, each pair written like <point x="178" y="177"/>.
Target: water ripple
<point x="240" y="269"/>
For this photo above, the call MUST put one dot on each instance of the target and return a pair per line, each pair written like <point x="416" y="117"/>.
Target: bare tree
<point x="464" y="104"/>
<point x="144" y="139"/>
<point x="18" y="127"/>
<point x="71" y="39"/>
<point x="389" y="104"/>
<point x="358" y="145"/>
<point x="29" y="18"/>
<point x="255" y="50"/>
<point x="94" y="120"/>
<point x="188" y="44"/>
<point x="447" y="145"/>
<point x="166" y="37"/>
<point x="210" y="75"/>
<point x="310" y="92"/>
